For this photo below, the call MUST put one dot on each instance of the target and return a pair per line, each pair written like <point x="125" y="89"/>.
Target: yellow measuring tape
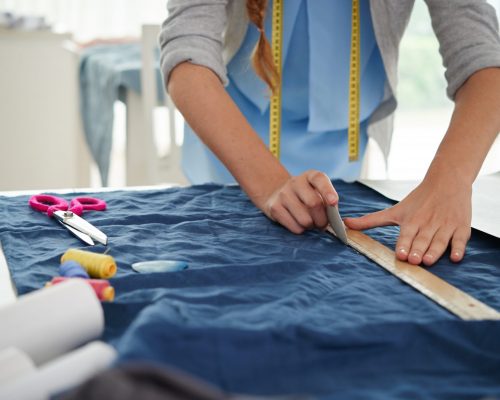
<point x="275" y="106"/>
<point x="354" y="77"/>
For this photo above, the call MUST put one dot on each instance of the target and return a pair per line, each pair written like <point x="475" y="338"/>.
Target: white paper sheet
<point x="485" y="199"/>
<point x="52" y="321"/>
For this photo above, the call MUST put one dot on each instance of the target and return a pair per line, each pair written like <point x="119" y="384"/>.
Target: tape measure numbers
<point x="354" y="85"/>
<point x="275" y="105"/>
<point x="354" y="78"/>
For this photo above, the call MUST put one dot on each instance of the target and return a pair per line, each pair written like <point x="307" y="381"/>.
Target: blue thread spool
<point x="72" y="269"/>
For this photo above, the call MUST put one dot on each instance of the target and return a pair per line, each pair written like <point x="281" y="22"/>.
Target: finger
<point x="316" y="207"/>
<point x="281" y="215"/>
<point x="320" y="181"/>
<point x="297" y="209"/>
<point x="406" y="236"/>
<point x="379" y="218"/>
<point x="458" y="244"/>
<point x="438" y="246"/>
<point x="420" y="244"/>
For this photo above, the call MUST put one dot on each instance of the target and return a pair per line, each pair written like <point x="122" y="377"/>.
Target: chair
<point x="144" y="164"/>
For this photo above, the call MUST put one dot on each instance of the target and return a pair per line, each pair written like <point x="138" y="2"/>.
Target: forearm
<point x="473" y="128"/>
<point x="212" y="114"/>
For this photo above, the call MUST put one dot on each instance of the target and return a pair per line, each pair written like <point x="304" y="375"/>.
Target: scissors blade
<point x="336" y="223"/>
<point x="71" y="220"/>
<point x="80" y="235"/>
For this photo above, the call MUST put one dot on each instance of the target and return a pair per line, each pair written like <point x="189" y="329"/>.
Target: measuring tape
<point x="354" y="78"/>
<point x="275" y="105"/>
<point x="447" y="296"/>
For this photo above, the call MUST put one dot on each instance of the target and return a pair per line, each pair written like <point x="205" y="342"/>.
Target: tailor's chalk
<point x="159" y="266"/>
<point x="72" y="269"/>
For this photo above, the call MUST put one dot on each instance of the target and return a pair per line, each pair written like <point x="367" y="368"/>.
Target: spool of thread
<point x="72" y="269"/>
<point x="103" y="290"/>
<point x="97" y="265"/>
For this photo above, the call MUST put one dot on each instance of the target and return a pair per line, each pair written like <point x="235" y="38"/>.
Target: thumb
<point x="379" y="218"/>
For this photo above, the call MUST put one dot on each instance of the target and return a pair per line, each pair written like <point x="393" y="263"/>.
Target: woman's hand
<point x="300" y="203"/>
<point x="431" y="217"/>
<point x="438" y="212"/>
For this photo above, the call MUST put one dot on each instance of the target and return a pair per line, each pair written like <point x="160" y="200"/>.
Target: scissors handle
<point x="79" y="204"/>
<point x="47" y="203"/>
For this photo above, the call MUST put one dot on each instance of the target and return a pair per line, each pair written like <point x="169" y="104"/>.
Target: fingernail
<point x="429" y="258"/>
<point x="402" y="251"/>
<point x="456" y="254"/>
<point x="414" y="255"/>
<point x="331" y="198"/>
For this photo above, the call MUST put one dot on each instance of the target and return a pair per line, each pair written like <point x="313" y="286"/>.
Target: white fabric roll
<point x="61" y="374"/>
<point x="52" y="321"/>
<point x="13" y="364"/>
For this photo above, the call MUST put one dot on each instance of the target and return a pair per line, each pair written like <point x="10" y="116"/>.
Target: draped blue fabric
<point x="263" y="311"/>
<point x="106" y="72"/>
<point x="316" y="48"/>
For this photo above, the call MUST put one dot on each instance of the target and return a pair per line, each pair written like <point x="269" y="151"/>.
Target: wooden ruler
<point x="354" y="82"/>
<point x="448" y="296"/>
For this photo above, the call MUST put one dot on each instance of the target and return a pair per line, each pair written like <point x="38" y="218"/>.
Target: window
<point x="424" y="110"/>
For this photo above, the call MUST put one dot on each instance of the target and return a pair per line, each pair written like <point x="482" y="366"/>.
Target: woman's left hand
<point x="431" y="217"/>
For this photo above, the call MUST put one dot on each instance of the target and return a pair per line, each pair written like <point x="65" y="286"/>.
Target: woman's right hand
<point x="300" y="203"/>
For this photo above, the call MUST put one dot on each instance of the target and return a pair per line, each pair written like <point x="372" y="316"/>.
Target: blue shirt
<point x="315" y="79"/>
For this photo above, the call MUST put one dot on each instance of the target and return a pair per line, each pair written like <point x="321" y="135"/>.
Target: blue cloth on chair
<point x="105" y="71"/>
<point x="263" y="311"/>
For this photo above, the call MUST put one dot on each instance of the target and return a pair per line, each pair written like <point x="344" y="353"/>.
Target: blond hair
<point x="262" y="59"/>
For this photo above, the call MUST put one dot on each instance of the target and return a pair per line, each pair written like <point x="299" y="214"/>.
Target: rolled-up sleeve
<point x="467" y="31"/>
<point x="193" y="32"/>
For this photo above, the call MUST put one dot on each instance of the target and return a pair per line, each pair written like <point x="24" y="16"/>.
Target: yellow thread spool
<point x="97" y="265"/>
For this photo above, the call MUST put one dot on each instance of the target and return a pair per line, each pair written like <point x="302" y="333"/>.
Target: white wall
<point x="88" y="19"/>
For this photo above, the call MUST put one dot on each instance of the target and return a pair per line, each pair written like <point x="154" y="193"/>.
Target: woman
<point x="201" y="38"/>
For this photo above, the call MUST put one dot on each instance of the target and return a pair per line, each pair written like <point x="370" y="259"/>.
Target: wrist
<point x="262" y="191"/>
<point x="444" y="173"/>
<point x="455" y="162"/>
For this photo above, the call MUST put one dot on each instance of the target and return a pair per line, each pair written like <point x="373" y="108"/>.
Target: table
<point x="263" y="311"/>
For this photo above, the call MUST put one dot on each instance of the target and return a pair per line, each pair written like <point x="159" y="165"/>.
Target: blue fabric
<point x="316" y="49"/>
<point x="105" y="71"/>
<point x="261" y="310"/>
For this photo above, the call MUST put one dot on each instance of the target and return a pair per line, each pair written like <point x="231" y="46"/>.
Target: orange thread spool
<point x="102" y="289"/>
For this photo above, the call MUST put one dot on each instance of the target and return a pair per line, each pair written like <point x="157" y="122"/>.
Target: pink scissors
<point x="69" y="215"/>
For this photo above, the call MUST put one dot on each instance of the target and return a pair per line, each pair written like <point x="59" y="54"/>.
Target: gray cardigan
<point x="209" y="33"/>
